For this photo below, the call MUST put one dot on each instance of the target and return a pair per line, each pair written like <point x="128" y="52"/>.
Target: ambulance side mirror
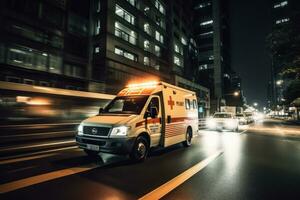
<point x="153" y="112"/>
<point x="101" y="110"/>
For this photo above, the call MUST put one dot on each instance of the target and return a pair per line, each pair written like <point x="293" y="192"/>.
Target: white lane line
<point x="243" y="131"/>
<point x="33" y="156"/>
<point x="181" y="178"/>
<point x="11" y="186"/>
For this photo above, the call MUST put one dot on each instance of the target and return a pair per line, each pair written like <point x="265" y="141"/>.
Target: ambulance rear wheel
<point x="140" y="149"/>
<point x="188" y="140"/>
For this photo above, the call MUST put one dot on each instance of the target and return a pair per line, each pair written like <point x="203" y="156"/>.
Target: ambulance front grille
<point x="95" y="130"/>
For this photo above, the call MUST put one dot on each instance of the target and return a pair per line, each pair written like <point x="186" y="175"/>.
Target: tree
<point x="292" y="91"/>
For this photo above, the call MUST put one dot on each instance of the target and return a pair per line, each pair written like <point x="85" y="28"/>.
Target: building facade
<point x="212" y="37"/>
<point x="98" y="45"/>
<point x="285" y="20"/>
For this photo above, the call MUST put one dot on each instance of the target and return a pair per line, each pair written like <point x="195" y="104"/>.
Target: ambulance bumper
<point x="107" y="145"/>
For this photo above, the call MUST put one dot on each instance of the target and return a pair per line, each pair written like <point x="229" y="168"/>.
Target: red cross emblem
<point x="171" y="102"/>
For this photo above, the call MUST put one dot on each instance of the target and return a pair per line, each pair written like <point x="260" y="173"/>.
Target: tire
<point x="140" y="149"/>
<point x="236" y="129"/>
<point x="188" y="138"/>
<point x="90" y="153"/>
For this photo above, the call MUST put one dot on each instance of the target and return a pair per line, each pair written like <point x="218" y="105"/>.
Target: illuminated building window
<point x="146" y="61"/>
<point x="202" y="5"/>
<point x="125" y="33"/>
<point x="177" y="61"/>
<point x="280" y="21"/>
<point x="203" y="67"/>
<point x="157" y="50"/>
<point x="97" y="49"/>
<point x="126" y="54"/>
<point x="183" y="41"/>
<point x="132" y="2"/>
<point x="159" y="7"/>
<point x="281" y="4"/>
<point x="178" y="49"/>
<point x="159" y="37"/>
<point x="146" y="45"/>
<point x="125" y="15"/>
<point x="98" y="6"/>
<point x="207" y="33"/>
<point x="205" y="23"/>
<point x="97" y="27"/>
<point x="147" y="28"/>
<point x="146" y="10"/>
<point x="55" y="64"/>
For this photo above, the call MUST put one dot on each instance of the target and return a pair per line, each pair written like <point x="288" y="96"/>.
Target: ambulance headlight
<point x="120" y="131"/>
<point x="211" y="123"/>
<point x="80" y="130"/>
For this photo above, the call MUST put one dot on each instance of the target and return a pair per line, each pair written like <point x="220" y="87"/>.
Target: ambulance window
<point x="187" y="104"/>
<point x="194" y="104"/>
<point x="154" y="103"/>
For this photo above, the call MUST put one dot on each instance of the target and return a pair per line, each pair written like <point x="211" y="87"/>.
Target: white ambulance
<point x="141" y="116"/>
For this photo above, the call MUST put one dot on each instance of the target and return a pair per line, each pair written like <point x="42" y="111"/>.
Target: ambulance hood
<point x="113" y="120"/>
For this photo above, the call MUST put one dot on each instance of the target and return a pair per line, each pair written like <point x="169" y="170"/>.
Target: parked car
<point x="250" y="117"/>
<point x="223" y="121"/>
<point x="242" y="118"/>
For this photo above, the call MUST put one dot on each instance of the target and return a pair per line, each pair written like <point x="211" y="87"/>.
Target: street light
<point x="235" y="94"/>
<point x="255" y="104"/>
<point x="279" y="82"/>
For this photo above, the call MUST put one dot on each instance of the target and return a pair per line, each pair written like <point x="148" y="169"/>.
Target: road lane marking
<point x="181" y="178"/>
<point x="11" y="186"/>
<point x="32" y="156"/>
<point x="243" y="131"/>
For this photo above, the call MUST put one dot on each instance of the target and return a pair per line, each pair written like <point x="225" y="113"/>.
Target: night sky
<point x="250" y="24"/>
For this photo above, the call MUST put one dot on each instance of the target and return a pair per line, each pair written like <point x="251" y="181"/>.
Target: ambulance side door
<point x="154" y="125"/>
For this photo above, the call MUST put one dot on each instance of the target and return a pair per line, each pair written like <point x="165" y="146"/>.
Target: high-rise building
<point x="98" y="45"/>
<point x="285" y="20"/>
<point x="44" y="43"/>
<point x="212" y="37"/>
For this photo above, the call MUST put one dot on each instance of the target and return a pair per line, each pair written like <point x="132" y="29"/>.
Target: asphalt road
<point x="262" y="161"/>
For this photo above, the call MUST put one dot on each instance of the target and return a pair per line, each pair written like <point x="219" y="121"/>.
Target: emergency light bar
<point x="146" y="84"/>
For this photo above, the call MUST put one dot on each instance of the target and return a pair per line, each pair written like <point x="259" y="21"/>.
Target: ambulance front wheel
<point x="140" y="149"/>
<point x="188" y="140"/>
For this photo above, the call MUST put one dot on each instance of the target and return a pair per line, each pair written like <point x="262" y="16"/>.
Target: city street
<point x="261" y="161"/>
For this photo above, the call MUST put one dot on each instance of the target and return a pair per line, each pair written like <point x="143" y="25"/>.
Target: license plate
<point x="92" y="147"/>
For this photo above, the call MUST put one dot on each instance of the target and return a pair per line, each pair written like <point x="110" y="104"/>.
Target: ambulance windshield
<point x="126" y="105"/>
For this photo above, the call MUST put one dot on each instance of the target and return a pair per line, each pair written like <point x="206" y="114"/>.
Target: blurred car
<point x="242" y="118"/>
<point x="250" y="117"/>
<point x="223" y="121"/>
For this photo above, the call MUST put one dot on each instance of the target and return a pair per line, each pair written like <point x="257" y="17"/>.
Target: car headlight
<point x="80" y="130"/>
<point x="120" y="131"/>
<point x="230" y="123"/>
<point x="211" y="123"/>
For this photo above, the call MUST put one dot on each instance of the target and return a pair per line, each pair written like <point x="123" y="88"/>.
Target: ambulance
<point x="141" y="116"/>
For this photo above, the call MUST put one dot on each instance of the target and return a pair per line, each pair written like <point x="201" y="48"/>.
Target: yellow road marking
<point x="11" y="186"/>
<point x="178" y="180"/>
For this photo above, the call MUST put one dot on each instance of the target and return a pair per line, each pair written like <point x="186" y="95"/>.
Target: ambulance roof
<point x="148" y="88"/>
